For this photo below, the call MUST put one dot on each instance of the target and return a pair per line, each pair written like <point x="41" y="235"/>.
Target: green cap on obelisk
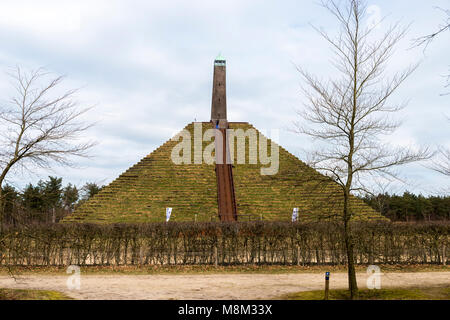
<point x="219" y="96"/>
<point x="220" y="60"/>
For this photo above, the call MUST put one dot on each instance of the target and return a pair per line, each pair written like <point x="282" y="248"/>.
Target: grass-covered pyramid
<point x="142" y="193"/>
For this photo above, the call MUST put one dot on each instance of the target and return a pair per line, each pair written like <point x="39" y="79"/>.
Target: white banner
<point x="168" y="213"/>
<point x="295" y="214"/>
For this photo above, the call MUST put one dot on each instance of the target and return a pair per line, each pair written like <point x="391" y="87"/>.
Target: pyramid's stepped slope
<point x="142" y="193"/>
<point x="295" y="185"/>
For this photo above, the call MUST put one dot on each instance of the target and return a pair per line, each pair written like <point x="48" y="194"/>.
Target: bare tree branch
<point x="441" y="164"/>
<point x="427" y="39"/>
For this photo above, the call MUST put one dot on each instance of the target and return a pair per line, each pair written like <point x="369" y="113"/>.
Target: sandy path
<point x="211" y="286"/>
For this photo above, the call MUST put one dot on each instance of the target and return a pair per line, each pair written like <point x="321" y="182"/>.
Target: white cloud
<point x="40" y="16"/>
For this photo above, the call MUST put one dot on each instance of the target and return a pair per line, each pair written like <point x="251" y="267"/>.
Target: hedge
<point x="222" y="243"/>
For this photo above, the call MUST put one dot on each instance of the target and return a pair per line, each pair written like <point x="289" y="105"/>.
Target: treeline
<point x="218" y="243"/>
<point x="410" y="207"/>
<point x="46" y="202"/>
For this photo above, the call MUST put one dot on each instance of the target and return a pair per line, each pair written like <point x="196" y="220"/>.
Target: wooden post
<point x="195" y="217"/>
<point x="216" y="256"/>
<point x="327" y="284"/>
<point x="298" y="255"/>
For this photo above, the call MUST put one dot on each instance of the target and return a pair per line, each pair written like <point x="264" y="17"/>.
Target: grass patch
<point x="209" y="269"/>
<point x="422" y="293"/>
<point x="21" y="294"/>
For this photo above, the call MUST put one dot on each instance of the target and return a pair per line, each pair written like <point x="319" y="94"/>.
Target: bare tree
<point x="39" y="125"/>
<point x="348" y="116"/>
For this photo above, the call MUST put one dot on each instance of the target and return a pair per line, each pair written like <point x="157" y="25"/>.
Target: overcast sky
<point x="147" y="67"/>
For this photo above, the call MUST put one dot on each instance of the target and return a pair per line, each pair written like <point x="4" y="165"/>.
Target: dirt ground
<point x="210" y="286"/>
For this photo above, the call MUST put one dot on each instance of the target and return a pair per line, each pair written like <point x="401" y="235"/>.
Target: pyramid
<point x="142" y="193"/>
<point x="198" y="191"/>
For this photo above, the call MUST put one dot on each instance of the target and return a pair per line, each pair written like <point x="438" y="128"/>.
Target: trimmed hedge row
<point x="222" y="243"/>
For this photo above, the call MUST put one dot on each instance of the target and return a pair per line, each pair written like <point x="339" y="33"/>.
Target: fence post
<point x="298" y="255"/>
<point x="327" y="284"/>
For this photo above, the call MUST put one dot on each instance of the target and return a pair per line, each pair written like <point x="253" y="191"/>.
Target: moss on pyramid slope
<point x="295" y="185"/>
<point x="142" y="193"/>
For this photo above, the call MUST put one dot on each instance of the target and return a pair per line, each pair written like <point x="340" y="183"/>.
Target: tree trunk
<point x="352" y="285"/>
<point x="444" y="258"/>
<point x="53" y="215"/>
